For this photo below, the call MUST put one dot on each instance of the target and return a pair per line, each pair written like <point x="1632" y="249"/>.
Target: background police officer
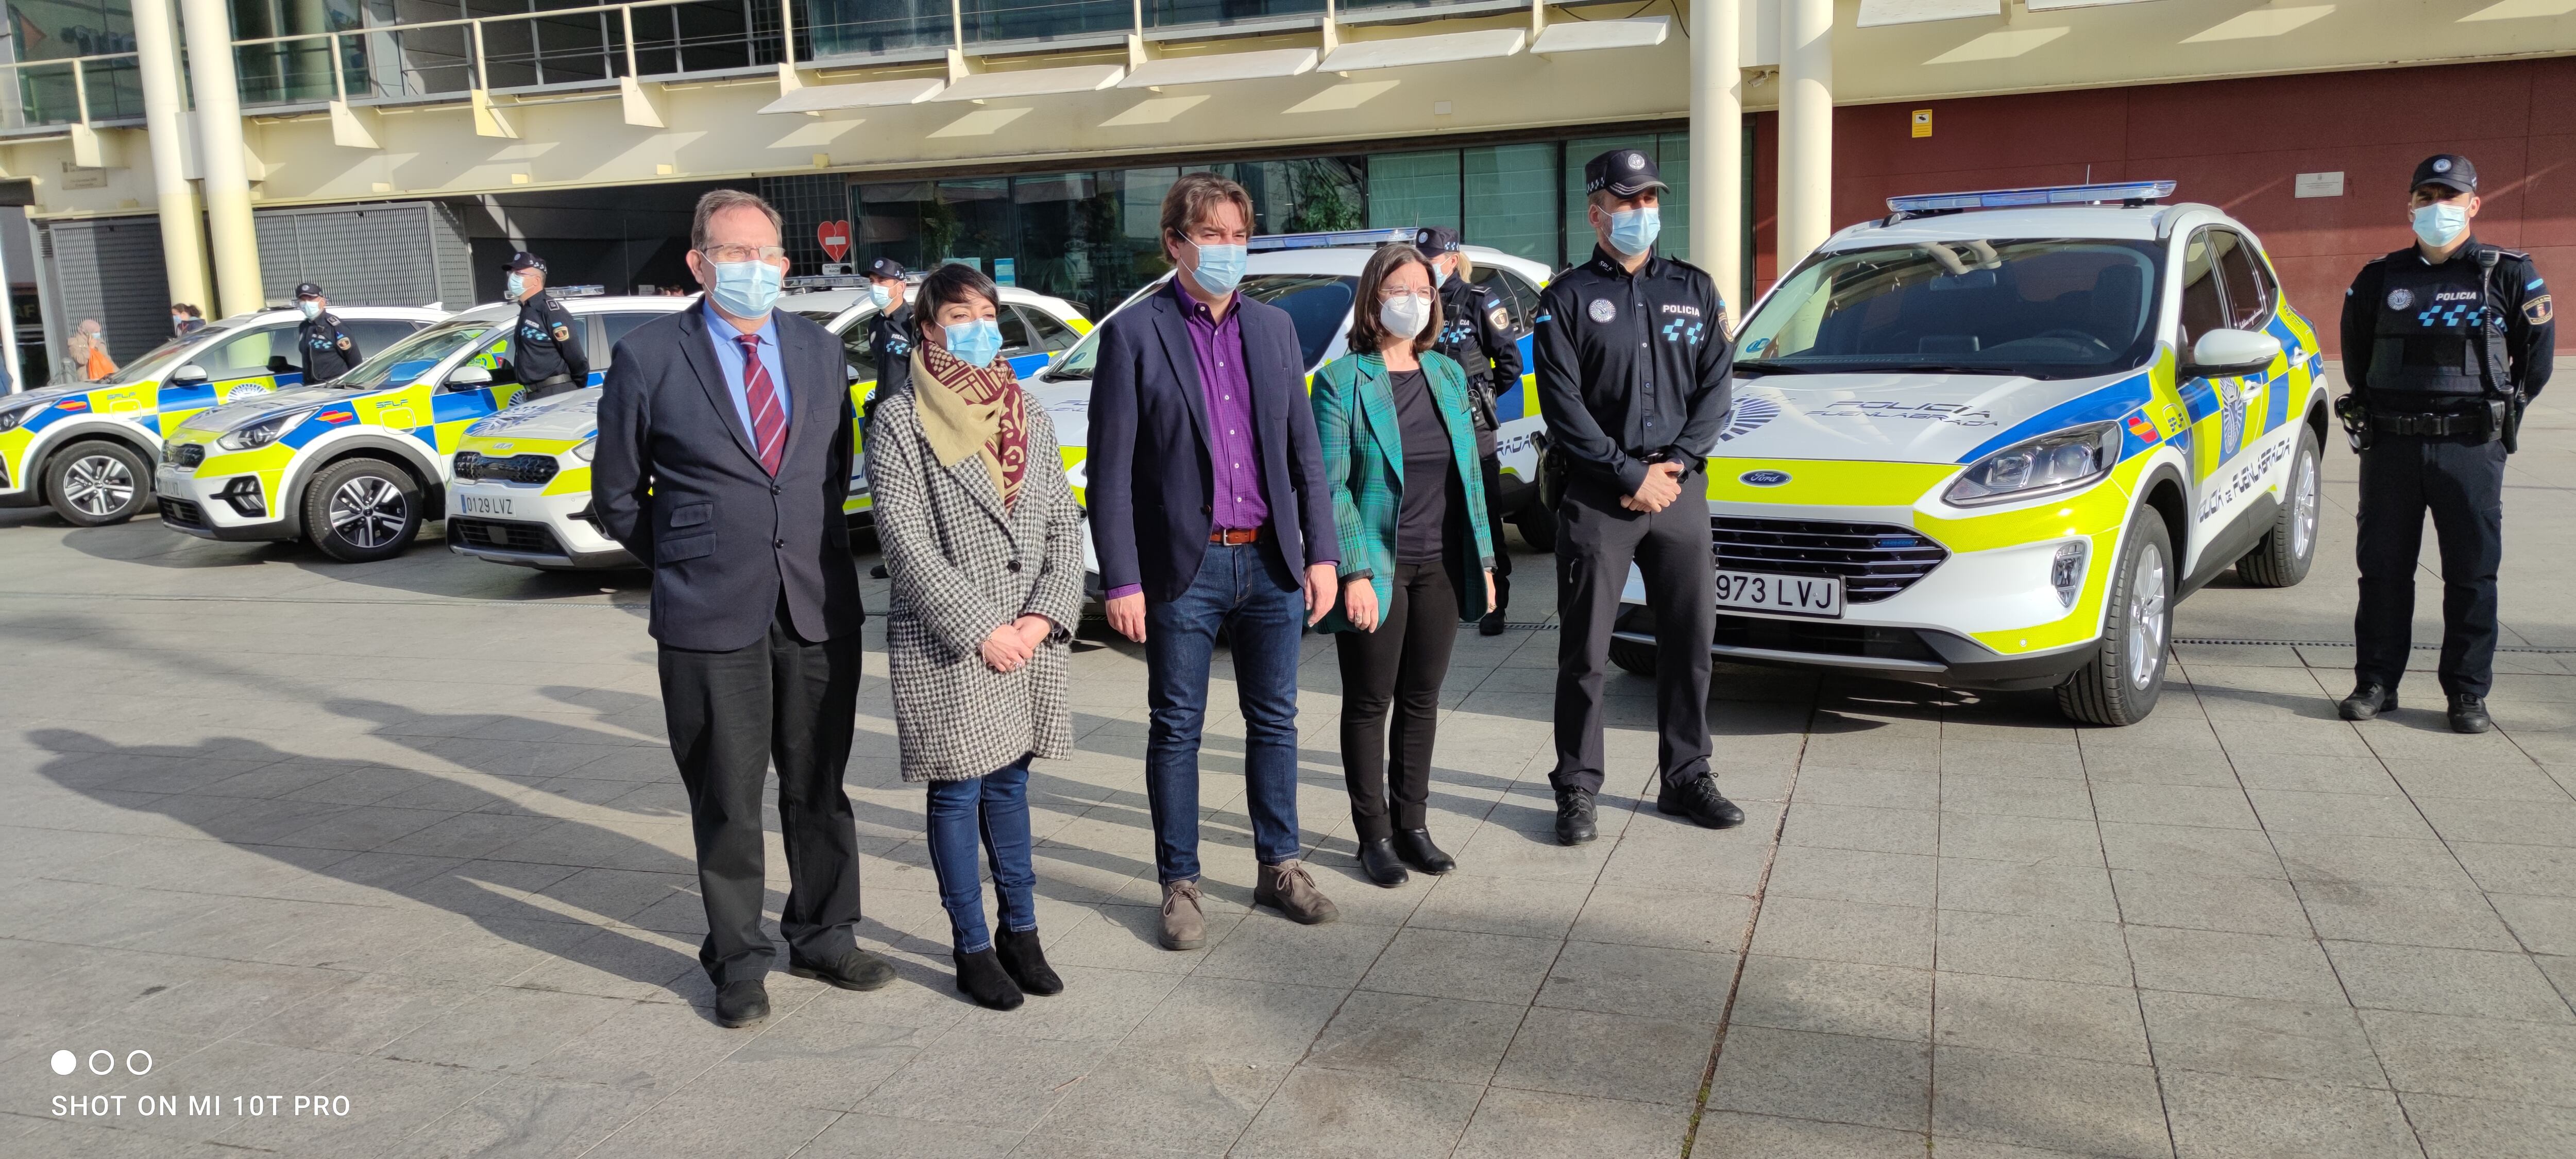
<point x="1633" y="361"/>
<point x="326" y="349"/>
<point x="890" y="331"/>
<point x="2443" y="343"/>
<point x="1477" y="334"/>
<point x="547" y="350"/>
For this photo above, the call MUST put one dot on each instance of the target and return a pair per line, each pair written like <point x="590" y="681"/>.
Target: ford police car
<point x="357" y="465"/>
<point x="1314" y="277"/>
<point x="522" y="477"/>
<point x="87" y="448"/>
<point x="1987" y="441"/>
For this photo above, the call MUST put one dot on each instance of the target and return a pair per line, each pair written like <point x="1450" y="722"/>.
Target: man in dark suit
<point x="1209" y="510"/>
<point x="723" y="459"/>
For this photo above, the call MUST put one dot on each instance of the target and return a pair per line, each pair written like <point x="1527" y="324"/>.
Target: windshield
<point x="2044" y="308"/>
<point x="160" y="358"/>
<point x="1320" y="305"/>
<point x="415" y="355"/>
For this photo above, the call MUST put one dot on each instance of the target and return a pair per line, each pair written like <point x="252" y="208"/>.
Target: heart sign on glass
<point x="835" y="236"/>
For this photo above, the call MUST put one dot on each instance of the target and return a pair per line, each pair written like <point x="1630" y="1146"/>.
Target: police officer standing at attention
<point x="327" y="350"/>
<point x="1477" y="335"/>
<point x="547" y="351"/>
<point x="890" y="331"/>
<point x="2443" y="344"/>
<point x="1633" y="361"/>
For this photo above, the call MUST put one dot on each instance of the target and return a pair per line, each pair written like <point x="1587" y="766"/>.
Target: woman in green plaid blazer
<point x="1417" y="553"/>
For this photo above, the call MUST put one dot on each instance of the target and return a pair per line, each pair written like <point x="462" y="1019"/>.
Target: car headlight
<point x="259" y="434"/>
<point x="11" y="416"/>
<point x="2045" y="465"/>
<point x="588" y="450"/>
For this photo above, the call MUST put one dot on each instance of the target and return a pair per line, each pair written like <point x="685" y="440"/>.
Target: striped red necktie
<point x="768" y="414"/>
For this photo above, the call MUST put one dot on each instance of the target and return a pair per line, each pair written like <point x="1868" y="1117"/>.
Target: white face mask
<point x="2441" y="223"/>
<point x="1404" y="315"/>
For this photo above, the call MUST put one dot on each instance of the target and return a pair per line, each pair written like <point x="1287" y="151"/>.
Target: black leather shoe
<point x="1380" y="865"/>
<point x="1700" y="801"/>
<point x="857" y="970"/>
<point x="1415" y="847"/>
<point x="2469" y="714"/>
<point x="1491" y="625"/>
<point x="2367" y="702"/>
<point x="1574" y="820"/>
<point x="980" y="976"/>
<point x="1025" y="962"/>
<point x="741" y="1003"/>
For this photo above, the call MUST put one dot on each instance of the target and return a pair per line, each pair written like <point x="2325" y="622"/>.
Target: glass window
<point x="2045" y="308"/>
<point x="417" y="355"/>
<point x="992" y="20"/>
<point x="265" y="350"/>
<point x="861" y="358"/>
<point x="1168" y="13"/>
<point x="1510" y="197"/>
<point x="1516" y="297"/>
<point x="610" y="329"/>
<point x="1049" y="333"/>
<point x="2202" y="311"/>
<point x="847" y="27"/>
<point x="2249" y="297"/>
<point x="1672" y="163"/>
<point x="1015" y="333"/>
<point x="151" y="365"/>
<point x="377" y="333"/>
<point x="1411" y="190"/>
<point x="1320" y="306"/>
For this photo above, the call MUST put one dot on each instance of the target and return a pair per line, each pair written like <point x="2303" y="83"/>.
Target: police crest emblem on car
<point x="1601" y="310"/>
<point x="1764" y="478"/>
<point x="2400" y="298"/>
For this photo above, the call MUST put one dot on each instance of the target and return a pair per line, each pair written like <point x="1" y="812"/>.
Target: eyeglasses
<point x="744" y="253"/>
<point x="1391" y="293"/>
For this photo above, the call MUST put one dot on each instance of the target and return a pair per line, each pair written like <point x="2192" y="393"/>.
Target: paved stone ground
<point x="404" y="833"/>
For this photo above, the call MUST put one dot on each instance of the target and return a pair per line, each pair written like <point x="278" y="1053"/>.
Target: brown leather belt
<point x="1238" y="536"/>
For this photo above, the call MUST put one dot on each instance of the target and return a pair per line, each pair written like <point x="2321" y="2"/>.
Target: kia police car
<point x="1987" y="441"/>
<point x="1314" y="277"/>
<point x="87" y="448"/>
<point x="357" y="465"/>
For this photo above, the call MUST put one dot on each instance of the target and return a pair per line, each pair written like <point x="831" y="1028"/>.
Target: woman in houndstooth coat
<point x="983" y="543"/>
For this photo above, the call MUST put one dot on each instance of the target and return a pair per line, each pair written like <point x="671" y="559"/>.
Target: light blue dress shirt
<point x="729" y="357"/>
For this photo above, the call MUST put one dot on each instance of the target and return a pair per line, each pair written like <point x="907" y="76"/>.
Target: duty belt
<point x="553" y="381"/>
<point x="2428" y="424"/>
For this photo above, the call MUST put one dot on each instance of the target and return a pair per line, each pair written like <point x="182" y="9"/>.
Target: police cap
<point x="2449" y="170"/>
<point x="1436" y="240"/>
<point x="884" y="269"/>
<point x="524" y="260"/>
<point x="1625" y="172"/>
<point x="308" y="290"/>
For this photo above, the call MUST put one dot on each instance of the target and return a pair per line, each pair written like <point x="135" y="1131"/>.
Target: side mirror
<point x="472" y="377"/>
<point x="188" y="375"/>
<point x="2221" y="353"/>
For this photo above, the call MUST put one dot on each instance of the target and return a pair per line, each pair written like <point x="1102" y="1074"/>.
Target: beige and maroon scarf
<point x="968" y="412"/>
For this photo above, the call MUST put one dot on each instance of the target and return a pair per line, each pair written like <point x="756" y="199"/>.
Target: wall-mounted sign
<point x="2319" y="185"/>
<point x="1922" y="122"/>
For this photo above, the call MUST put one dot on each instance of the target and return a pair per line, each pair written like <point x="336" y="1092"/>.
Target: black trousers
<point x="2461" y="483"/>
<point x="1399" y="667"/>
<point x="1494" y="521"/>
<point x="1596" y="540"/>
<point x="791" y="702"/>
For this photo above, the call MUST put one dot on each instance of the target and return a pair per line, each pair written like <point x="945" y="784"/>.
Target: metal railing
<point x="76" y="90"/>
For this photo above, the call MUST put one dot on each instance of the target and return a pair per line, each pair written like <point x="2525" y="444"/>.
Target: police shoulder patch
<point x="562" y="332"/>
<point x="344" y="342"/>
<point x="2538" y="311"/>
<point x="1500" y="319"/>
<point x="1601" y="310"/>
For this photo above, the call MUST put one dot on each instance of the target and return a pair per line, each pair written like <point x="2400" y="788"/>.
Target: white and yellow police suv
<point x="87" y="448"/>
<point x="359" y="464"/>
<point x="522" y="489"/>
<point x="1988" y="441"/>
<point x="1314" y="277"/>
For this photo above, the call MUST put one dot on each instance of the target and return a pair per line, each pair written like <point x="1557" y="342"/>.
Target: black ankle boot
<point x="1415" y="847"/>
<point x="980" y="976"/>
<point x="1026" y="963"/>
<point x="1379" y="862"/>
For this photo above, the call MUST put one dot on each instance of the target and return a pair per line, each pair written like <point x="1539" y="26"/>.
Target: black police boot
<point x="1415" y="847"/>
<point x="1379" y="863"/>
<point x="2367" y="702"/>
<point x="1574" y="820"/>
<point x="1491" y="625"/>
<point x="2469" y="713"/>
<point x="1699" y="801"/>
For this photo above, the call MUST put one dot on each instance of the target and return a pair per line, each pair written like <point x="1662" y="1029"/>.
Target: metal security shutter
<point x="376" y="255"/>
<point x="110" y="269"/>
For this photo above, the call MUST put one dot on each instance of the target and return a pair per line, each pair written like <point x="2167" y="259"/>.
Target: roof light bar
<point x="2129" y="192"/>
<point x="1329" y="238"/>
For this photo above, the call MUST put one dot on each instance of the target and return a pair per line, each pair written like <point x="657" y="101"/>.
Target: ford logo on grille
<point x="1764" y="478"/>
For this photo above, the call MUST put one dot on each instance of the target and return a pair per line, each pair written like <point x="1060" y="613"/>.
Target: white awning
<point x="1448" y="47"/>
<point x="1880" y="13"/>
<point x="1034" y="82"/>
<point x="1221" y="66"/>
<point x="824" y="98"/>
<point x="1588" y="35"/>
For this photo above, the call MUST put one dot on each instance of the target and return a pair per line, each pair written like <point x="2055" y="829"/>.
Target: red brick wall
<point x="2238" y="144"/>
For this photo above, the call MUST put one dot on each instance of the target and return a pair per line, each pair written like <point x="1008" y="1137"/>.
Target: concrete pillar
<point x="219" y="142"/>
<point x="165" y="119"/>
<point x="1806" y="127"/>
<point x="1717" y="146"/>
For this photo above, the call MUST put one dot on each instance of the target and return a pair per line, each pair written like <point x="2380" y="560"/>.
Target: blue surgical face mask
<point x="2441" y="223"/>
<point x="881" y="296"/>
<point x="311" y="310"/>
<point x="1220" y="268"/>
<point x="746" y="289"/>
<point x="1633" y="231"/>
<point x="975" y="342"/>
<point x="514" y="287"/>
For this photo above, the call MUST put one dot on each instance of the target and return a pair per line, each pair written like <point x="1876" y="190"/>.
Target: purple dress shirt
<point x="1234" y="456"/>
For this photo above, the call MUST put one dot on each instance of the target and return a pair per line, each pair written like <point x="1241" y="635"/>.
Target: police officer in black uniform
<point x="1477" y="334"/>
<point x="1633" y="361"/>
<point x="2444" y="342"/>
<point x="324" y="346"/>
<point x="547" y="350"/>
<point x="890" y="331"/>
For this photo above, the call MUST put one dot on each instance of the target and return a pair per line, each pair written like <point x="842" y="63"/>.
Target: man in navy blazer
<point x="1209" y="513"/>
<point x="723" y="460"/>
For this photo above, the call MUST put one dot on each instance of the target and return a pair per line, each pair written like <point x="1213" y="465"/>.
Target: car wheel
<point x="98" y="482"/>
<point x="1633" y="656"/>
<point x="2282" y="558"/>
<point x="362" y="510"/>
<point x="2121" y="683"/>
<point x="1538" y="526"/>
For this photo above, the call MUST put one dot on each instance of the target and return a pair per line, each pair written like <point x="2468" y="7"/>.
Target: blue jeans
<point x="1249" y="593"/>
<point x="996" y="807"/>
